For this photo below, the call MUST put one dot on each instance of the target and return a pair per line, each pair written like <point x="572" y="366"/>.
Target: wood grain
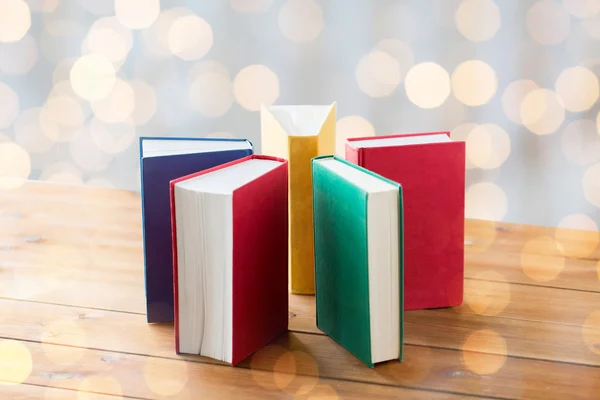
<point x="71" y="286"/>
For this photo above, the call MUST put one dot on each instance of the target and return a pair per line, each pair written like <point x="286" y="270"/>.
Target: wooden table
<point x="72" y="321"/>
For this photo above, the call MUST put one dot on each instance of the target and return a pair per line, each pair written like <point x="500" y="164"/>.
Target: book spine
<point x="354" y="155"/>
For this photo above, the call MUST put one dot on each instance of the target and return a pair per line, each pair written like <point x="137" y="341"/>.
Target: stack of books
<point x="228" y="233"/>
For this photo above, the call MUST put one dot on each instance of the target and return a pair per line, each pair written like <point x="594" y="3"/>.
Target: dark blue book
<point x="161" y="161"/>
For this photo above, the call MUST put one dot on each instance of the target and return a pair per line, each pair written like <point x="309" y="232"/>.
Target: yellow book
<point x="298" y="134"/>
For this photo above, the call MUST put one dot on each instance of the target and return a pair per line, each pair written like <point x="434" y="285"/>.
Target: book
<point x="230" y="257"/>
<point x="358" y="259"/>
<point x="163" y="159"/>
<point x="298" y="134"/>
<point x="431" y="169"/>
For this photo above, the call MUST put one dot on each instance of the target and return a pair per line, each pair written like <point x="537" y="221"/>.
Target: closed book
<point x="230" y="258"/>
<point x="431" y="169"/>
<point x="298" y="134"/>
<point x="358" y="259"/>
<point x="162" y="160"/>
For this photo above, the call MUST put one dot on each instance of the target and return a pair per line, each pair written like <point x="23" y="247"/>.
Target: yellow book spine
<point x="302" y="267"/>
<point x="299" y="150"/>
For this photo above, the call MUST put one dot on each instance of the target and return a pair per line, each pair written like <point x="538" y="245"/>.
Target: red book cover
<point x="260" y="258"/>
<point x="432" y="177"/>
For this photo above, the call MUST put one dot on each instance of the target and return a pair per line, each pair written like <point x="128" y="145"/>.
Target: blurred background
<point x="81" y="80"/>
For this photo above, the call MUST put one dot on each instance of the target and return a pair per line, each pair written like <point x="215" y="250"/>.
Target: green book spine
<point x="341" y="260"/>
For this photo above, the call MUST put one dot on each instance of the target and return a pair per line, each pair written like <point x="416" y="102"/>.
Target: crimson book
<point x="430" y="167"/>
<point x="230" y="257"/>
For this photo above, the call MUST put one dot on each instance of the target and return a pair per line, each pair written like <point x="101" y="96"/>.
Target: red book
<point x="230" y="257"/>
<point x="430" y="167"/>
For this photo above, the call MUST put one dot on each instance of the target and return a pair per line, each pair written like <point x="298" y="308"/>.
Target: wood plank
<point x="132" y="375"/>
<point x="464" y="368"/>
<point x="498" y="247"/>
<point x="26" y="391"/>
<point x="104" y="221"/>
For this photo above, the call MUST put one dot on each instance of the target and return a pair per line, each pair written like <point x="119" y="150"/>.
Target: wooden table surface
<point x="72" y="323"/>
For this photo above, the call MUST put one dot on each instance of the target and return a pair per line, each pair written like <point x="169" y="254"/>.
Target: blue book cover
<point x="162" y="160"/>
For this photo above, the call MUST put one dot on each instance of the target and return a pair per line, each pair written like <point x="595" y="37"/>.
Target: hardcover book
<point x="431" y="169"/>
<point x="230" y="257"/>
<point x="358" y="259"/>
<point x="162" y="160"/>
<point x="297" y="134"/>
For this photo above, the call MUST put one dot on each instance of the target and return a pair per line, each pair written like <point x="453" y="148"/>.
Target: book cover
<point x="358" y="259"/>
<point x="299" y="133"/>
<point x="431" y="169"/>
<point x="234" y="262"/>
<point x="161" y="160"/>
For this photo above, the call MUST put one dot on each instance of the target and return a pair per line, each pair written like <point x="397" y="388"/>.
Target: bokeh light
<point x="211" y="93"/>
<point x="93" y="77"/>
<point x="378" y="74"/>
<point x="322" y="392"/>
<point x="578" y="88"/>
<point x="15" y="165"/>
<point x="592" y="27"/>
<point x="488" y="293"/>
<point x="400" y="51"/>
<point x="137" y="14"/>
<point x="582" y="8"/>
<point x="62" y="172"/>
<point x="165" y="377"/>
<point x="15" y="20"/>
<point x="474" y="83"/>
<point x="109" y="39"/>
<point x="61" y="117"/>
<point x="99" y="182"/>
<point x="156" y="38"/>
<point x="62" y="70"/>
<point x="480" y="240"/>
<point x="461" y="133"/>
<point x="477" y="20"/>
<point x="18" y="58"/>
<point x="513" y="97"/>
<point x="580" y="142"/>
<point x="488" y="146"/>
<point x="484" y="352"/>
<point x="577" y="235"/>
<point x="485" y="200"/>
<point x="9" y="109"/>
<point x="542" y="259"/>
<point x="591" y="331"/>
<point x="204" y="67"/>
<point x="250" y="6"/>
<point x="15" y="362"/>
<point x="300" y="20"/>
<point x="112" y="138"/>
<point x="63" y="332"/>
<point x="295" y="363"/>
<point x="548" y="22"/>
<point x="117" y="106"/>
<point x="93" y="384"/>
<point x="542" y="111"/>
<point x="86" y="154"/>
<point x="43" y="6"/>
<point x="427" y="85"/>
<point x="145" y="101"/>
<point x="256" y="84"/>
<point x="591" y="184"/>
<point x="29" y="133"/>
<point x="350" y="127"/>
<point x="190" y="37"/>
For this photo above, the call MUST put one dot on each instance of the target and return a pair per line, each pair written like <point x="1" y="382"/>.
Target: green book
<point x="359" y="274"/>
